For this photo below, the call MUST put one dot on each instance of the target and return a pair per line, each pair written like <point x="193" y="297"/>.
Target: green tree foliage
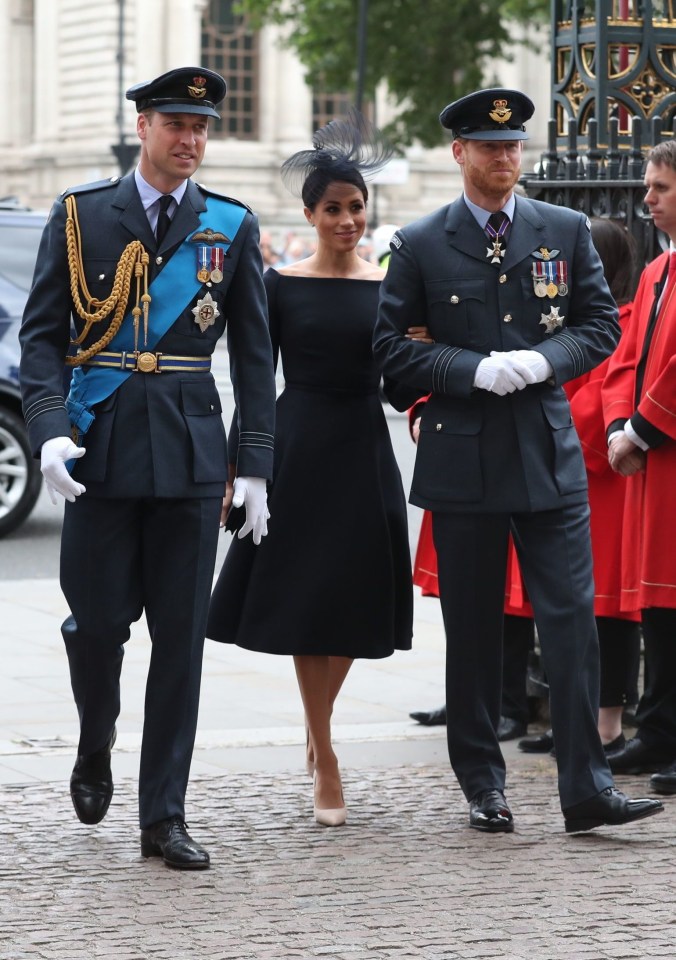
<point x="429" y="52"/>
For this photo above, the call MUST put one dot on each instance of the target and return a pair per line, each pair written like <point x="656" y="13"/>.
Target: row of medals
<point x="209" y="264"/>
<point x="549" y="280"/>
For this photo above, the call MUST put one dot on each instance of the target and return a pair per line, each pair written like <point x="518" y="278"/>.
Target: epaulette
<point x="221" y="196"/>
<point x="90" y="187"/>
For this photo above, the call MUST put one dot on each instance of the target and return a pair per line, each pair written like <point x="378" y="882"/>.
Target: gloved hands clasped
<point x="54" y="454"/>
<point x="252" y="492"/>
<point x="506" y="371"/>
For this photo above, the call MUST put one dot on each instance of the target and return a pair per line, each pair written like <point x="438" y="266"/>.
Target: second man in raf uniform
<point x="513" y="293"/>
<point x="151" y="269"/>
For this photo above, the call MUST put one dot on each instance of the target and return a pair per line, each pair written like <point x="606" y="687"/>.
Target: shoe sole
<point x="174" y="864"/>
<point x="635" y="771"/>
<point x="579" y="826"/>
<point x="494" y="828"/>
<point x="663" y="789"/>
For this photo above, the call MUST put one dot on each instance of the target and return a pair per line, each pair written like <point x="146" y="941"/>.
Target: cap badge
<point x="501" y="112"/>
<point x="199" y="89"/>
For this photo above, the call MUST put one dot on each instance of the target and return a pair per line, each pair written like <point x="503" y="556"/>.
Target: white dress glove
<point x="53" y="456"/>
<point x="253" y="493"/>
<point x="501" y="374"/>
<point x="539" y="366"/>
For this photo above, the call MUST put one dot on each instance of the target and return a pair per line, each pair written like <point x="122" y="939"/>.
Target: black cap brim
<point x="203" y="109"/>
<point x="490" y="134"/>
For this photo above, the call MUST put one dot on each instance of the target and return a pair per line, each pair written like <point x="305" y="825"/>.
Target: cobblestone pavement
<point x="405" y="878"/>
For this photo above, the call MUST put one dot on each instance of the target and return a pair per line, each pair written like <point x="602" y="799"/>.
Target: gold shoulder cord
<point x="134" y="260"/>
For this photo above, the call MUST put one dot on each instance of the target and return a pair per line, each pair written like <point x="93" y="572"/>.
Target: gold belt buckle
<point x="146" y="363"/>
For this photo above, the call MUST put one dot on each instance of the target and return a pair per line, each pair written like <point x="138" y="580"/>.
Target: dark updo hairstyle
<point x="318" y="180"/>
<point x="344" y="151"/>
<point x="616" y="248"/>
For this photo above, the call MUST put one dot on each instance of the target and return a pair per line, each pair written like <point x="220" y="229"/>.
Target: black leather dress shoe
<point x="488" y="811"/>
<point x="608" y="807"/>
<point x="639" y="757"/>
<point x="510" y="729"/>
<point x="541" y="743"/>
<point x="170" y="840"/>
<point x="430" y="718"/>
<point x="664" y="781"/>
<point x="91" y="783"/>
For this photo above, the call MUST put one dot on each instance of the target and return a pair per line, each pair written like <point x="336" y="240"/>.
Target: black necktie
<point x="496" y="220"/>
<point x="163" y="220"/>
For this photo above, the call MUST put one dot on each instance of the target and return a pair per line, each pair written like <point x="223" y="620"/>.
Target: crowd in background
<point x="289" y="248"/>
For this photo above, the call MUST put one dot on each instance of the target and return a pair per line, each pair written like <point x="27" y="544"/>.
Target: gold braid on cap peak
<point x="133" y="260"/>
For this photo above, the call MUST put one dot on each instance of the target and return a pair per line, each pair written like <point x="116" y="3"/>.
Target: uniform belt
<point x="147" y="362"/>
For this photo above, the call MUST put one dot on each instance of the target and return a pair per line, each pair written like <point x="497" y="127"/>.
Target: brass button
<point x="455" y="299"/>
<point x="438" y="427"/>
<point x="158" y="260"/>
<point x="102" y="276"/>
<point x="502" y="278"/>
<point x="507" y="318"/>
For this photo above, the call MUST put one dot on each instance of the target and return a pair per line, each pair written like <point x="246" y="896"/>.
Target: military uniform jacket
<point x="478" y="451"/>
<point x="158" y="434"/>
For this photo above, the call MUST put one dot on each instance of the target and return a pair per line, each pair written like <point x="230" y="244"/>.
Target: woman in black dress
<point x="331" y="582"/>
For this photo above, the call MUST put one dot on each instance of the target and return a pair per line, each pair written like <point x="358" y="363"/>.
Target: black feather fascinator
<point x="344" y="149"/>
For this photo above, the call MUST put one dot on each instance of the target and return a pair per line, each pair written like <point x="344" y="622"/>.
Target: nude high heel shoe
<point x="332" y="817"/>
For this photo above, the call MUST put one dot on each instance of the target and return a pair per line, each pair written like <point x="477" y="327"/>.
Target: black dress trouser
<point x="656" y="711"/>
<point x="119" y="558"/>
<point x="554" y="552"/>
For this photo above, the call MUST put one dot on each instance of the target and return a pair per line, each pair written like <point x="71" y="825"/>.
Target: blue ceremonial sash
<point x="175" y="286"/>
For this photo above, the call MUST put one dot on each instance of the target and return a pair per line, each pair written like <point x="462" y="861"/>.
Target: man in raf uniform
<point x="513" y="294"/>
<point x="149" y="268"/>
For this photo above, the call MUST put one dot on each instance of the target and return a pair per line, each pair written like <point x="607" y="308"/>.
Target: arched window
<point x="231" y="48"/>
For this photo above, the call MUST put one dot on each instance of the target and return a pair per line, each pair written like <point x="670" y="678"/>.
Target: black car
<point x="20" y="477"/>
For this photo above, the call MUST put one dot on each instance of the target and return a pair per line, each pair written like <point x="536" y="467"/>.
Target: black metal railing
<point x="601" y="183"/>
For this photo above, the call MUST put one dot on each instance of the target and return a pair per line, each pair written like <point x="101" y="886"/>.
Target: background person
<point x="639" y="403"/>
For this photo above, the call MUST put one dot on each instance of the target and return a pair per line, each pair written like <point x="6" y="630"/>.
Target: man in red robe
<point x="639" y="401"/>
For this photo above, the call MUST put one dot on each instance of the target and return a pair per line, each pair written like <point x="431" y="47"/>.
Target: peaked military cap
<point x="493" y="114"/>
<point x="184" y="90"/>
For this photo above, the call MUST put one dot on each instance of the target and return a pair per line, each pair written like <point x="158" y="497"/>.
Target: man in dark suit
<point x="149" y="267"/>
<point x="514" y="296"/>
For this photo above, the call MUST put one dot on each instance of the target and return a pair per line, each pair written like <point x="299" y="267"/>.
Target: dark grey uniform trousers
<point x="119" y="558"/>
<point x="555" y="557"/>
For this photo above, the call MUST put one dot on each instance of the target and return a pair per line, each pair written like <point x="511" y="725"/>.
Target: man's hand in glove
<point x="54" y="454"/>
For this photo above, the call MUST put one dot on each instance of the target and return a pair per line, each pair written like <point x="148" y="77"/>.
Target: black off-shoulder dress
<point x="333" y="575"/>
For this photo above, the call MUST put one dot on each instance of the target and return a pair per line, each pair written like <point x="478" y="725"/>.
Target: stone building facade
<point x="64" y="108"/>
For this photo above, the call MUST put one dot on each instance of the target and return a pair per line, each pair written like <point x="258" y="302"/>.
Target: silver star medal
<point x="206" y="310"/>
<point x="550" y="321"/>
<point x="496" y="251"/>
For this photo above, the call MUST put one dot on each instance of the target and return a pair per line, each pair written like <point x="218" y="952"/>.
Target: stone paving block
<point x="404" y="878"/>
